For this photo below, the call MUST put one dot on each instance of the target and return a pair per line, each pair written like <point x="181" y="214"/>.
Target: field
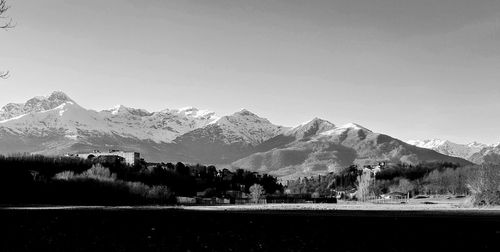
<point x="249" y="228"/>
<point x="438" y="203"/>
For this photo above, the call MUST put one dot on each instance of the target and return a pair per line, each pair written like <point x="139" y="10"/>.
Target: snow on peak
<point x="248" y="127"/>
<point x="354" y="126"/>
<point x="315" y="120"/>
<point x="310" y="128"/>
<point x="163" y="126"/>
<point x="192" y="112"/>
<point x="67" y="119"/>
<point x="116" y="109"/>
<point x="344" y="128"/>
<point x="197" y="113"/>
<point x="449" y="148"/>
<point x="428" y="143"/>
<point x="478" y="145"/>
<point x="33" y="105"/>
<point x="123" y="110"/>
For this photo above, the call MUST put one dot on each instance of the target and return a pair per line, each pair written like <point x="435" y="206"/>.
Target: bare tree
<point x="4" y="25"/>
<point x="484" y="185"/>
<point x="363" y="186"/>
<point x="3" y="8"/>
<point x="256" y="192"/>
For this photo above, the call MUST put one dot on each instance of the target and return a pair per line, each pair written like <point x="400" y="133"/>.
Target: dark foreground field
<point x="186" y="230"/>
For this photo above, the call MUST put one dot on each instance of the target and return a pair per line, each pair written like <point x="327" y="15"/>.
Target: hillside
<point x="336" y="149"/>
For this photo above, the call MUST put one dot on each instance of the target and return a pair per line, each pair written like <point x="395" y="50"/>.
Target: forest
<point x="36" y="179"/>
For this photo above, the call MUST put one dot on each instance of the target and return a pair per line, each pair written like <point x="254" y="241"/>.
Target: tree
<point x="256" y="192"/>
<point x="404" y="186"/>
<point x="484" y="185"/>
<point x="364" y="181"/>
<point x="5" y="25"/>
<point x="181" y="169"/>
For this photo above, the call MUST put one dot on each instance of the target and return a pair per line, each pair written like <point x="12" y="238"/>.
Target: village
<point x="241" y="194"/>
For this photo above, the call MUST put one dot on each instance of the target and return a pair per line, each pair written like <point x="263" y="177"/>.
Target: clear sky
<point x="411" y="69"/>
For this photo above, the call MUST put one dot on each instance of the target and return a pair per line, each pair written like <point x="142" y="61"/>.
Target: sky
<point x="410" y="69"/>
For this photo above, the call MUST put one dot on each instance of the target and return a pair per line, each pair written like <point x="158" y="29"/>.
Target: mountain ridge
<point x="465" y="151"/>
<point x="56" y="124"/>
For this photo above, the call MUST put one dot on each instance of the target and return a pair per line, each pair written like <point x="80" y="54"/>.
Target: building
<point x="130" y="158"/>
<point x="374" y="169"/>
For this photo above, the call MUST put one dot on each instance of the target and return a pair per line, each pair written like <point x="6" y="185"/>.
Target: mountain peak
<point x="243" y="116"/>
<point x="35" y="104"/>
<point x="59" y="95"/>
<point x="315" y="121"/>
<point x="244" y="112"/>
<point x="345" y="128"/>
<point x="310" y="128"/>
<point x="121" y="109"/>
<point x="245" y="126"/>
<point x="56" y="96"/>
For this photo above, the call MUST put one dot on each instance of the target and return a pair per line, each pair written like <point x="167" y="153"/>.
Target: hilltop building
<point x="374" y="169"/>
<point x="130" y="158"/>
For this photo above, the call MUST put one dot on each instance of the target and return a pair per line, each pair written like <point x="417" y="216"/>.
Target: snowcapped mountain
<point x="465" y="151"/>
<point x="162" y="126"/>
<point x="57" y="117"/>
<point x="228" y="139"/>
<point x="36" y="104"/>
<point x="56" y="124"/>
<point x="67" y="119"/>
<point x="487" y="155"/>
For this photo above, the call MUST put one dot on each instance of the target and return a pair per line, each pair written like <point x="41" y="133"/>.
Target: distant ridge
<point x="465" y="151"/>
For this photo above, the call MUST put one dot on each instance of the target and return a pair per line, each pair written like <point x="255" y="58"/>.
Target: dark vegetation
<point x="36" y="179"/>
<point x="480" y="182"/>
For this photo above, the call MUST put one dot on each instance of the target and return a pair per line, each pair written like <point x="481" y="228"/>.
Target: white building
<point x="131" y="158"/>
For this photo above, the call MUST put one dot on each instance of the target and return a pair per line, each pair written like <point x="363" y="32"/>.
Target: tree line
<point x="481" y="183"/>
<point x="37" y="179"/>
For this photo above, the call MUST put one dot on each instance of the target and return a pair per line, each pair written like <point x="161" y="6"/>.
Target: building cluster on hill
<point x="374" y="169"/>
<point x="111" y="156"/>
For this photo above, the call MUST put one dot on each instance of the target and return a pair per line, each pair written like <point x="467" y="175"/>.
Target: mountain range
<point x="474" y="152"/>
<point x="56" y="124"/>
